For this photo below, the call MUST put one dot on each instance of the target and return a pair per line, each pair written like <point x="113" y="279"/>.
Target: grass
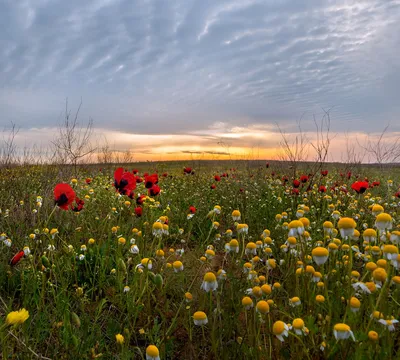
<point x="77" y="305"/>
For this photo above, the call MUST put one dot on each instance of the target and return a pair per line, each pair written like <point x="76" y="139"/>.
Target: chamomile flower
<point x="200" y="318"/>
<point x="342" y="332"/>
<point x="210" y="282"/>
<point x="152" y="353"/>
<point x="280" y="329"/>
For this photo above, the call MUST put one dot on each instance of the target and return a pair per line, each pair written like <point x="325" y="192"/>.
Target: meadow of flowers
<point x="221" y="262"/>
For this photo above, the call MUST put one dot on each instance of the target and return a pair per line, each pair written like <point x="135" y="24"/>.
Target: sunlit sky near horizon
<point x="200" y="78"/>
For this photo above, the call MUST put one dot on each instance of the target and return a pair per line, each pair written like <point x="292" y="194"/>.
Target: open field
<point x="224" y="260"/>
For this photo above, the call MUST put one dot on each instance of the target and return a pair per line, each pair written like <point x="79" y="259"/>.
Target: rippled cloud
<point x="184" y="67"/>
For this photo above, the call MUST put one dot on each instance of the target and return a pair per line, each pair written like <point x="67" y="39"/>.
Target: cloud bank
<point x="182" y="68"/>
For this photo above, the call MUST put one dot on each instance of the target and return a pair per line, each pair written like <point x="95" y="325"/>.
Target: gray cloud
<point x="155" y="66"/>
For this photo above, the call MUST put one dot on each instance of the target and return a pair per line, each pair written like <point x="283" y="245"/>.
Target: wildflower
<point x="158" y="228"/>
<point x="388" y="323"/>
<point x="390" y="252"/>
<point x="17" y="257"/>
<point x="280" y="329"/>
<point x="134" y="249"/>
<point x="53" y="233"/>
<point x="200" y="318"/>
<point x="295" y="301"/>
<point x="373" y="335"/>
<point x="342" y="332"/>
<point x="81" y="257"/>
<point x="26" y="250"/>
<point x="152" y="353"/>
<point x="221" y="274"/>
<point x="360" y="186"/>
<point x="320" y="299"/>
<point x="126" y="289"/>
<point x="346" y="226"/>
<point x="217" y="209"/>
<point x="233" y="246"/>
<point x="299" y="327"/>
<point x="178" y="266"/>
<point x="251" y="248"/>
<point x="64" y="195"/>
<point x="320" y="255"/>
<point x="17" y="317"/>
<point x="209" y="254"/>
<point x="121" y="241"/>
<point x="247" y="302"/>
<point x="360" y="286"/>
<point x="160" y="254"/>
<point x="383" y="221"/>
<point x="296" y="228"/>
<point x="379" y="275"/>
<point x="328" y="227"/>
<point x="355" y="304"/>
<point x="262" y="307"/>
<point x="209" y="282"/>
<point x="395" y="237"/>
<point x="242" y="228"/>
<point x="120" y="339"/>
<point x="124" y="182"/>
<point x="188" y="297"/>
<point x="369" y="235"/>
<point x="236" y="215"/>
<point x="146" y="262"/>
<point x="377" y="209"/>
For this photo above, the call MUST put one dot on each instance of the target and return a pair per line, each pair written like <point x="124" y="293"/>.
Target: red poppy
<point x="324" y="172"/>
<point x="187" y="170"/>
<point x="295" y="191"/>
<point x="64" y="195"/>
<point x="349" y="175"/>
<point x="296" y="183"/>
<point x="217" y="178"/>
<point x="267" y="165"/>
<point x="241" y="190"/>
<point x="138" y="179"/>
<point x="124" y="182"/>
<point x="78" y="205"/>
<point x="192" y="209"/>
<point x="165" y="174"/>
<point x="285" y="179"/>
<point x="17" y="257"/>
<point x="360" y="186"/>
<point x="397" y="194"/>
<point x="88" y="180"/>
<point x="154" y="190"/>
<point x="213" y="186"/>
<point x="303" y="178"/>
<point x="151" y="180"/>
<point x="376" y="183"/>
<point x="134" y="171"/>
<point x="138" y="211"/>
<point x="140" y="199"/>
<point x="322" y="188"/>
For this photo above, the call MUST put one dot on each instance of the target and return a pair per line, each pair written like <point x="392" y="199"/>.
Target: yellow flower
<point x="119" y="338"/>
<point x="373" y="335"/>
<point x="152" y="352"/>
<point x="17" y="317"/>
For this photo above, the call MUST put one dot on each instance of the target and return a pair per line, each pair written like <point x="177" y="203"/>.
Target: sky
<point x="183" y="79"/>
